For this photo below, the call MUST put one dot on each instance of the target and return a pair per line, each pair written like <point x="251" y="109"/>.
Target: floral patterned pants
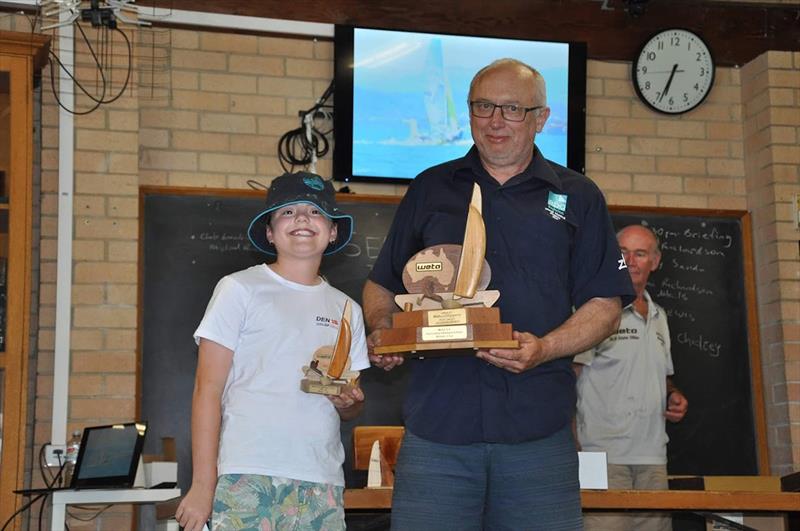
<point x="250" y="502"/>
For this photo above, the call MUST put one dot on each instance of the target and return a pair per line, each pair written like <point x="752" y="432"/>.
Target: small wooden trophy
<point x="328" y="373"/>
<point x="448" y="310"/>
<point x="375" y="449"/>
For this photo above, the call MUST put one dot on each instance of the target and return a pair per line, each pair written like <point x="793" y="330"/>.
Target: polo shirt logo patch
<point x="556" y="205"/>
<point x="622" y="264"/>
<point x="625" y="333"/>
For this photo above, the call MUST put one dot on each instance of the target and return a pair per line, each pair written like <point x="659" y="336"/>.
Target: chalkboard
<point x="704" y="284"/>
<point x="190" y="238"/>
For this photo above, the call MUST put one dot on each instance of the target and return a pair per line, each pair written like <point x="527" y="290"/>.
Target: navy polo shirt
<point x="551" y="247"/>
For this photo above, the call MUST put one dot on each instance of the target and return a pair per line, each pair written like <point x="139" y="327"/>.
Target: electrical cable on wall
<point x="54" y="481"/>
<point x="22" y="509"/>
<point x="306" y="144"/>
<point x="101" y="69"/>
<point x="105" y="16"/>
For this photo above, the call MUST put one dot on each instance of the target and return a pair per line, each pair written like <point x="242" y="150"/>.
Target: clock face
<point x="673" y="72"/>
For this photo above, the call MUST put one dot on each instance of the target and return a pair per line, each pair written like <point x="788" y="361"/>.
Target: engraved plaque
<point x="447" y="317"/>
<point x="444" y="333"/>
<point x="320" y="388"/>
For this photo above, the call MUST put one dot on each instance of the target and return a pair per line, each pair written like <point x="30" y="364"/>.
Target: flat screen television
<point x="401" y="99"/>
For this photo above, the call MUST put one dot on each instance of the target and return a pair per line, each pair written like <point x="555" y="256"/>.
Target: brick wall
<point x="234" y="95"/>
<point x="771" y="100"/>
<point x="640" y="157"/>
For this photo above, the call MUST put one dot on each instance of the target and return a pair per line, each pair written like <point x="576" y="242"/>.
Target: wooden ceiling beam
<point x="736" y="32"/>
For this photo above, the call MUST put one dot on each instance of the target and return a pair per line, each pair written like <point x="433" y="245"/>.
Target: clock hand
<point x="669" y="81"/>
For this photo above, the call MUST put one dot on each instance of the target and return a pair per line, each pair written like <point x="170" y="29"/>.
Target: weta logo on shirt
<point x="326" y="322"/>
<point x="625" y="333"/>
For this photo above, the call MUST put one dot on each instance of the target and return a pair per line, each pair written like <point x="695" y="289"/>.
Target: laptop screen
<point x="109" y="456"/>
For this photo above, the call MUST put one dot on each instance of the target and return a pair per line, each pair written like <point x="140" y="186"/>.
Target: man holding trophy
<point x="488" y="441"/>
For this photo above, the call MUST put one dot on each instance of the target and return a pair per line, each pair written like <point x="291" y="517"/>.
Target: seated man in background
<point x="625" y="392"/>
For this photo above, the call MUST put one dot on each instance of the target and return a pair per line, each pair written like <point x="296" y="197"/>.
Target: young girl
<point x="268" y="455"/>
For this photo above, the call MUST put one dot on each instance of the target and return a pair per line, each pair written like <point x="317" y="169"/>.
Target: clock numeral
<point x="647" y="85"/>
<point x="672" y="101"/>
<point x="685" y="97"/>
<point x="658" y="95"/>
<point x="699" y="56"/>
<point x="702" y="71"/>
<point x="651" y="56"/>
<point x="697" y="86"/>
<point x="675" y="41"/>
<point x="643" y="70"/>
<point x="660" y="45"/>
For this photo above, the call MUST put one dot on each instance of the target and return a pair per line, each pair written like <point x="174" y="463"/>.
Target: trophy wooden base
<point x="457" y="332"/>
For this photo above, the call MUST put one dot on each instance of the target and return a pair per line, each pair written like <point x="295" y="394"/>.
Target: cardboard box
<point x="160" y="473"/>
<point x="743" y="483"/>
<point x="762" y="522"/>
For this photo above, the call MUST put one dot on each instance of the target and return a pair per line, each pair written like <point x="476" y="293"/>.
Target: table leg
<point x="58" y="514"/>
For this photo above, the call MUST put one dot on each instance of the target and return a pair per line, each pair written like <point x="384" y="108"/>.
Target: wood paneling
<point x="679" y="500"/>
<point x="736" y="32"/>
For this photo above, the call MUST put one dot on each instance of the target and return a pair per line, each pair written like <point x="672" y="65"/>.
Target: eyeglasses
<point x="510" y="111"/>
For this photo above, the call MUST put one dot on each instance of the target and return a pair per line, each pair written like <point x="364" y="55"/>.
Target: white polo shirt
<point x="622" y="390"/>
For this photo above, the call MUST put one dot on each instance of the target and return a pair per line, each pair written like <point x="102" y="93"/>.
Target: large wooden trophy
<point x="328" y="373"/>
<point x="447" y="310"/>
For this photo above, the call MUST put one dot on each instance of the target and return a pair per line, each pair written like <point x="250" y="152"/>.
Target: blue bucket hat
<point x="301" y="187"/>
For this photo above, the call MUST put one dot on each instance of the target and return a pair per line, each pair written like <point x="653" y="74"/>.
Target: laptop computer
<point x="107" y="459"/>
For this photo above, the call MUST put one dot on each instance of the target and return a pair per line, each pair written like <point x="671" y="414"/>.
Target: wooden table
<point x="667" y="500"/>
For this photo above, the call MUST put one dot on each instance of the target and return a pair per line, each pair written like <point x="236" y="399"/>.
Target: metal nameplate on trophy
<point x="328" y="373"/>
<point x="448" y="310"/>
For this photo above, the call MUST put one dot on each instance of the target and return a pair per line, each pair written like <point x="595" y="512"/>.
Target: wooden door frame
<point x="20" y="55"/>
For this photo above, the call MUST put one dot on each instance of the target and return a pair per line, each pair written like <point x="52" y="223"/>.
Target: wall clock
<point x="673" y="72"/>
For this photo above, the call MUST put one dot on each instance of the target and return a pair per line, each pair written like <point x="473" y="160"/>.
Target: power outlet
<point x="55" y="454"/>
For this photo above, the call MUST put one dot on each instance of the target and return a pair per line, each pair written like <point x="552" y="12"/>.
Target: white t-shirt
<point x="274" y="326"/>
<point x="622" y="390"/>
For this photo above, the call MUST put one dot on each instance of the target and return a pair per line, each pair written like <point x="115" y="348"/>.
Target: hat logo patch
<point x="314" y="182"/>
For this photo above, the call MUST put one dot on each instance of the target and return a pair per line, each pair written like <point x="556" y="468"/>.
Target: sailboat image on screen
<point x="448" y="310"/>
<point x="440" y="108"/>
<point x="439" y="105"/>
<point x="329" y="371"/>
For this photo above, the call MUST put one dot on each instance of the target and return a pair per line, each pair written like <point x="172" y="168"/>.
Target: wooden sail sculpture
<point x="375" y="450"/>
<point x="473" y="250"/>
<point x="379" y="473"/>
<point x="447" y="309"/>
<point x="340" y="359"/>
<point x="329" y="372"/>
